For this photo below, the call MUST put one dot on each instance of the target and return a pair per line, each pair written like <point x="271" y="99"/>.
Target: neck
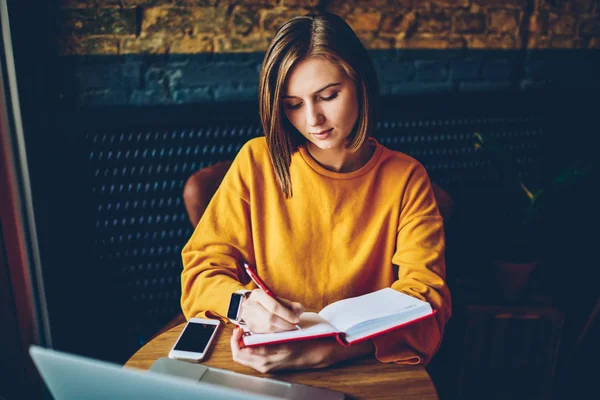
<point x="341" y="160"/>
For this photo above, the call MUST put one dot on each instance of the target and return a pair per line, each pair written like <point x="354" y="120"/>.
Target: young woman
<point x="320" y="209"/>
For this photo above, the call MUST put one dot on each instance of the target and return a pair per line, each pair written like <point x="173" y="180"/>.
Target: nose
<point x="314" y="117"/>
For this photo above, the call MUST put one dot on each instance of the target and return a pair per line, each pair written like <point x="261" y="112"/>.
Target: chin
<point x="326" y="144"/>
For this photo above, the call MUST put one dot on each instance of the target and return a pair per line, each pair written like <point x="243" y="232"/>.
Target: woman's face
<point x="320" y="101"/>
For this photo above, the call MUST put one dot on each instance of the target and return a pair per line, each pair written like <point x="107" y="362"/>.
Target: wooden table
<point x="364" y="378"/>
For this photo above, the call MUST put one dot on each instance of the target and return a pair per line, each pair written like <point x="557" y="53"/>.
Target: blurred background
<point x="110" y="105"/>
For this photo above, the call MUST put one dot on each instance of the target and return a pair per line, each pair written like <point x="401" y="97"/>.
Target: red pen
<point x="256" y="279"/>
<point x="261" y="284"/>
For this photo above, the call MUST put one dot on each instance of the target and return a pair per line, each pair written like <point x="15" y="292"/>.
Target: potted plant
<point x="523" y="214"/>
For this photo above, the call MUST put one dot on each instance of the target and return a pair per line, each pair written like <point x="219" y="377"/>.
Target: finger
<point x="260" y="359"/>
<point x="235" y="341"/>
<point x="274" y="307"/>
<point x="292" y="305"/>
<point x="261" y="351"/>
<point x="248" y="356"/>
<point x="270" y="358"/>
<point x="271" y="352"/>
<point x="260" y="320"/>
<point x="239" y="354"/>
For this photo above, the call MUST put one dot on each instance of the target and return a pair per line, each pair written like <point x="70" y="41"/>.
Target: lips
<point x="322" y="132"/>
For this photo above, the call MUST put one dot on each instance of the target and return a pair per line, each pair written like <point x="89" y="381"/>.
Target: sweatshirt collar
<point x="344" y="175"/>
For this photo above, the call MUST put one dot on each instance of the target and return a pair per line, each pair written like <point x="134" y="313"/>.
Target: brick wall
<point x="185" y="51"/>
<point x="207" y="26"/>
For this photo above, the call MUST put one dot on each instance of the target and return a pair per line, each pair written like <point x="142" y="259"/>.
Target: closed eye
<point x="297" y="106"/>
<point x="292" y="106"/>
<point x="333" y="96"/>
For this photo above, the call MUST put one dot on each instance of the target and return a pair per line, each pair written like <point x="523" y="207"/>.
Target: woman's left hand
<point x="317" y="353"/>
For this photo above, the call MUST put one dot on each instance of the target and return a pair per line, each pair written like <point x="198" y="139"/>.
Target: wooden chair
<point x="200" y="188"/>
<point x="202" y="185"/>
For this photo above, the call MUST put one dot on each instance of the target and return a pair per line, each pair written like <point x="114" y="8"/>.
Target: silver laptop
<point x="70" y="376"/>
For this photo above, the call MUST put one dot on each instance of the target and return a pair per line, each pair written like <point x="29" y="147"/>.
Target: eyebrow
<point x="320" y="90"/>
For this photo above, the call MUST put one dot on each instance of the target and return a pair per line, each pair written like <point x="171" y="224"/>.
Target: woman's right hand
<point x="263" y="314"/>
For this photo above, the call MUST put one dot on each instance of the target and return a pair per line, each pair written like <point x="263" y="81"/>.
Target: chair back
<point x="201" y="187"/>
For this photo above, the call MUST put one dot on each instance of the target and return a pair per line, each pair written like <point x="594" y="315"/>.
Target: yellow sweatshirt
<point x="340" y="235"/>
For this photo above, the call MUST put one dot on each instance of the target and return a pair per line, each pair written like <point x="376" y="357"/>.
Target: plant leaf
<point x="528" y="192"/>
<point x="568" y="174"/>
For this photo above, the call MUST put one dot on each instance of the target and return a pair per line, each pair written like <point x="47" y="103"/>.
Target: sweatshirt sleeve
<point x="221" y="241"/>
<point x="419" y="255"/>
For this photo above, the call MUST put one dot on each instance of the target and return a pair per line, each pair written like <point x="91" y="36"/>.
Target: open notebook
<point x="352" y="320"/>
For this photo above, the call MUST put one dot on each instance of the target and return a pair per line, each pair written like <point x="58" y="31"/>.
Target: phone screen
<point x="195" y="337"/>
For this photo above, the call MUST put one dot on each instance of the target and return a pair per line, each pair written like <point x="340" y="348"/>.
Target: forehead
<point x="310" y="75"/>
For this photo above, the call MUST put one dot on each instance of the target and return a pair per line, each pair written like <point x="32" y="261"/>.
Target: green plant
<point x="524" y="212"/>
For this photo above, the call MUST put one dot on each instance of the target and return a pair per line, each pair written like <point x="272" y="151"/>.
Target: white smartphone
<point x="195" y="340"/>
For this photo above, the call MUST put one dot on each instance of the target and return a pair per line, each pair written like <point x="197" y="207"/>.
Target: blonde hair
<point x="324" y="35"/>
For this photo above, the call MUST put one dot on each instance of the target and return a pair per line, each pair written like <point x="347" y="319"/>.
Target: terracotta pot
<point x="512" y="277"/>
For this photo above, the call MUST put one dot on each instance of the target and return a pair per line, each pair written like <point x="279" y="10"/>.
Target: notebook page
<point x="311" y="324"/>
<point x="373" y="327"/>
<point x="380" y="304"/>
